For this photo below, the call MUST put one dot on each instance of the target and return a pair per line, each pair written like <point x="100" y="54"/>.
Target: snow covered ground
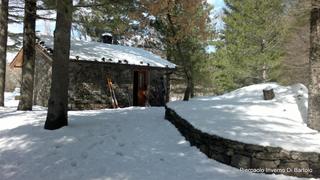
<point x="243" y="115"/>
<point x="122" y="144"/>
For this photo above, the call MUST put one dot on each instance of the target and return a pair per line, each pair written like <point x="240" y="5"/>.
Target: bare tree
<point x="57" y="116"/>
<point x="314" y="87"/>
<point x="3" y="46"/>
<point x="29" y="37"/>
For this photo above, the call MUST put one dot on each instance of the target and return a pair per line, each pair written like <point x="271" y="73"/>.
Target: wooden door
<point x="140" y="88"/>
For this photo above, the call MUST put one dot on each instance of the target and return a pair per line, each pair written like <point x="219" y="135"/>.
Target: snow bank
<point x="10" y="100"/>
<point x="130" y="143"/>
<point x="244" y="116"/>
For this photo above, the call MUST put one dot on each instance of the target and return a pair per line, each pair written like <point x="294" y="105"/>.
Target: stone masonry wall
<point x="42" y="79"/>
<point x="158" y="90"/>
<point x="88" y="85"/>
<point x="89" y="88"/>
<point x="248" y="157"/>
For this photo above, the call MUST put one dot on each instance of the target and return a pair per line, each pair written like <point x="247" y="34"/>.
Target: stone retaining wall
<point x="248" y="157"/>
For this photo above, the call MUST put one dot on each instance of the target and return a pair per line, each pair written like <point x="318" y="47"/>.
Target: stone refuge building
<point x="139" y="78"/>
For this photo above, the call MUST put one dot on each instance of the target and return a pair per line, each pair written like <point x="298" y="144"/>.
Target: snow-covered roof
<point x="106" y="34"/>
<point x="96" y="51"/>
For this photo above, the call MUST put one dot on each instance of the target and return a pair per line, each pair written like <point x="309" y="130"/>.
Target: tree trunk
<point x="184" y="60"/>
<point x="57" y="116"/>
<point x="264" y="66"/>
<point x="3" y="46"/>
<point x="314" y="86"/>
<point x="29" y="37"/>
<point x="168" y="88"/>
<point x="188" y="90"/>
<point x="187" y="93"/>
<point x="268" y="94"/>
<point x="264" y="73"/>
<point x="192" y="88"/>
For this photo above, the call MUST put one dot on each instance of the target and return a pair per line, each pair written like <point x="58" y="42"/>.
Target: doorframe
<point x="136" y="82"/>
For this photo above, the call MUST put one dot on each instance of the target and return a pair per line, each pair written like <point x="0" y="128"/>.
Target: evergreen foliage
<point x="250" y="49"/>
<point x="105" y="16"/>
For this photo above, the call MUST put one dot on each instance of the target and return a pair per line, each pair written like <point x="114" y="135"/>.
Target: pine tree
<point x="251" y="42"/>
<point x="314" y="87"/>
<point x="29" y="37"/>
<point x="57" y="116"/>
<point x="3" y="46"/>
<point x="106" y="16"/>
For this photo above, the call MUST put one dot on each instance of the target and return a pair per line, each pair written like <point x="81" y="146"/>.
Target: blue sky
<point x="217" y="3"/>
<point x="218" y="9"/>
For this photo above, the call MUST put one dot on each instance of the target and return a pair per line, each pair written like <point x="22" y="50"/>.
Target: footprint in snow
<point x="73" y="164"/>
<point x="91" y="146"/>
<point x="53" y="152"/>
<point x="101" y="141"/>
<point x="57" y="146"/>
<point x="119" y="154"/>
<point x="84" y="155"/>
<point x="96" y="143"/>
<point x="103" y="134"/>
<point x="121" y="144"/>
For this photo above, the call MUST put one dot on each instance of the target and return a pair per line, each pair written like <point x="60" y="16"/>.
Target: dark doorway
<point x="140" y="87"/>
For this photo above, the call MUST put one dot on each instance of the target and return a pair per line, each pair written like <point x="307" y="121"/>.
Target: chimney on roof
<point x="107" y="38"/>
